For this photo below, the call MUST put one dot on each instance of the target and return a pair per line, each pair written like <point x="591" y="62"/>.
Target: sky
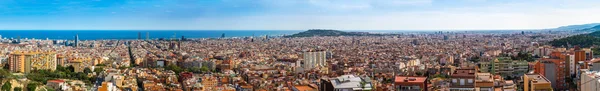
<point x="294" y="14"/>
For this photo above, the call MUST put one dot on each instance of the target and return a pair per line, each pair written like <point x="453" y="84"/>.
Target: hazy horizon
<point x="392" y="15"/>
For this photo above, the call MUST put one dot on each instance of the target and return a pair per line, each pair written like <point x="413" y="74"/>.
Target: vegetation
<point x="441" y="76"/>
<point x="577" y="40"/>
<point x="100" y="64"/>
<point x="174" y="68"/>
<point x="326" y="32"/>
<point x="475" y="59"/>
<point x="87" y="70"/>
<point x="43" y="76"/>
<point x="32" y="86"/>
<point x="596" y="51"/>
<point x="583" y="40"/>
<point x="523" y="56"/>
<point x="18" y="89"/>
<point x="98" y="70"/>
<point x="7" y="86"/>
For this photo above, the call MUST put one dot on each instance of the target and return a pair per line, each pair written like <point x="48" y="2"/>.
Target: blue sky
<point x="295" y="14"/>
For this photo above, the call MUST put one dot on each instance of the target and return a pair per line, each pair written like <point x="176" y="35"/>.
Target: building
<point x="20" y="62"/>
<point x="404" y="83"/>
<point x="462" y="79"/>
<point x="351" y="83"/>
<point x="484" y="82"/>
<point x="536" y="82"/>
<point x="56" y="84"/>
<point x="76" y="40"/>
<point x="304" y="88"/>
<point x="314" y="59"/>
<point x="589" y="80"/>
<point x="209" y="83"/>
<point x="45" y="60"/>
<point x="556" y="69"/>
<point x="505" y="67"/>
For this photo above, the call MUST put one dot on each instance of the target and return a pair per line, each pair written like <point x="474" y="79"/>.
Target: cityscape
<point x="327" y="45"/>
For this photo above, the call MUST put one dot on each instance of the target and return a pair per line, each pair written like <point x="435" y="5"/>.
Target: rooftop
<point x="348" y="81"/>
<point x="305" y="88"/>
<point x="464" y="73"/>
<point x="400" y="79"/>
<point x="485" y="77"/>
<point x="536" y="78"/>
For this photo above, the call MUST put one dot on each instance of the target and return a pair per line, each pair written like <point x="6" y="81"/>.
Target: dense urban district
<point x="315" y="60"/>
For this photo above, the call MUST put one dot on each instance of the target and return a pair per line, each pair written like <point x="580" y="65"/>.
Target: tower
<point x="139" y="35"/>
<point x="76" y="40"/>
<point x="147" y="35"/>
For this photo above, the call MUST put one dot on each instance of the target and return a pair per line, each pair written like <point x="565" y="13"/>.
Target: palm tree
<point x="362" y="85"/>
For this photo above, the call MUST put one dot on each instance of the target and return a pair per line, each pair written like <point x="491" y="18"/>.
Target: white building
<point x="350" y="83"/>
<point x="590" y="80"/>
<point x="314" y="59"/>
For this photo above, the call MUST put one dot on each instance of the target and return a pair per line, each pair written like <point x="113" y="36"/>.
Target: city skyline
<point x="295" y="14"/>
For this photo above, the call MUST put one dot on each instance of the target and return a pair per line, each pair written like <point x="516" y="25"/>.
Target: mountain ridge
<point x="330" y="32"/>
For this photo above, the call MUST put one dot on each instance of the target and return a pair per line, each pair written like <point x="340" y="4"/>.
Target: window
<point x="462" y="81"/>
<point x="454" y="81"/>
<point x="470" y="80"/>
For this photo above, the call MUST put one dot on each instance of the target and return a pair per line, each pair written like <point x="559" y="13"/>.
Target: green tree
<point x="71" y="68"/>
<point x="32" y="86"/>
<point x="7" y="86"/>
<point x="195" y="69"/>
<point x="174" y="68"/>
<point x="18" y="89"/>
<point x="87" y="70"/>
<point x="204" y="69"/>
<point x="98" y="70"/>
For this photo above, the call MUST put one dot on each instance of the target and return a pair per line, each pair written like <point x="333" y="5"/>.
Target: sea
<point x="133" y="34"/>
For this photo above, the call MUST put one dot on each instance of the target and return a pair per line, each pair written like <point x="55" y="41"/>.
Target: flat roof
<point x="484" y="77"/>
<point x="400" y="79"/>
<point x="463" y="73"/>
<point x="304" y="88"/>
<point x="538" y="78"/>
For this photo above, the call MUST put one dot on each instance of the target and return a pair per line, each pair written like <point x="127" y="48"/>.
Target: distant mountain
<point x="328" y="32"/>
<point x="577" y="27"/>
<point x="594" y="28"/>
<point x="583" y="40"/>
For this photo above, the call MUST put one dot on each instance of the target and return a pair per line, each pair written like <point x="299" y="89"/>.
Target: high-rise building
<point x="505" y="67"/>
<point x="76" y="40"/>
<point x="556" y="69"/>
<point x="44" y="60"/>
<point x="147" y="35"/>
<point x="314" y="59"/>
<point x="139" y="36"/>
<point x="20" y="62"/>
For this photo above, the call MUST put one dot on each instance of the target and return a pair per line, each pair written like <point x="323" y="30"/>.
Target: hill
<point x="577" y="27"/>
<point x="583" y="40"/>
<point x="327" y="32"/>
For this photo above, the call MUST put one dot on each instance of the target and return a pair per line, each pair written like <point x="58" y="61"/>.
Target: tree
<point x="18" y="89"/>
<point x="7" y="86"/>
<point x="32" y="86"/>
<point x="71" y="68"/>
<point x="100" y="64"/>
<point x="87" y="70"/>
<point x="195" y="69"/>
<point x="174" y="68"/>
<point x="98" y="70"/>
<point x="204" y="69"/>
